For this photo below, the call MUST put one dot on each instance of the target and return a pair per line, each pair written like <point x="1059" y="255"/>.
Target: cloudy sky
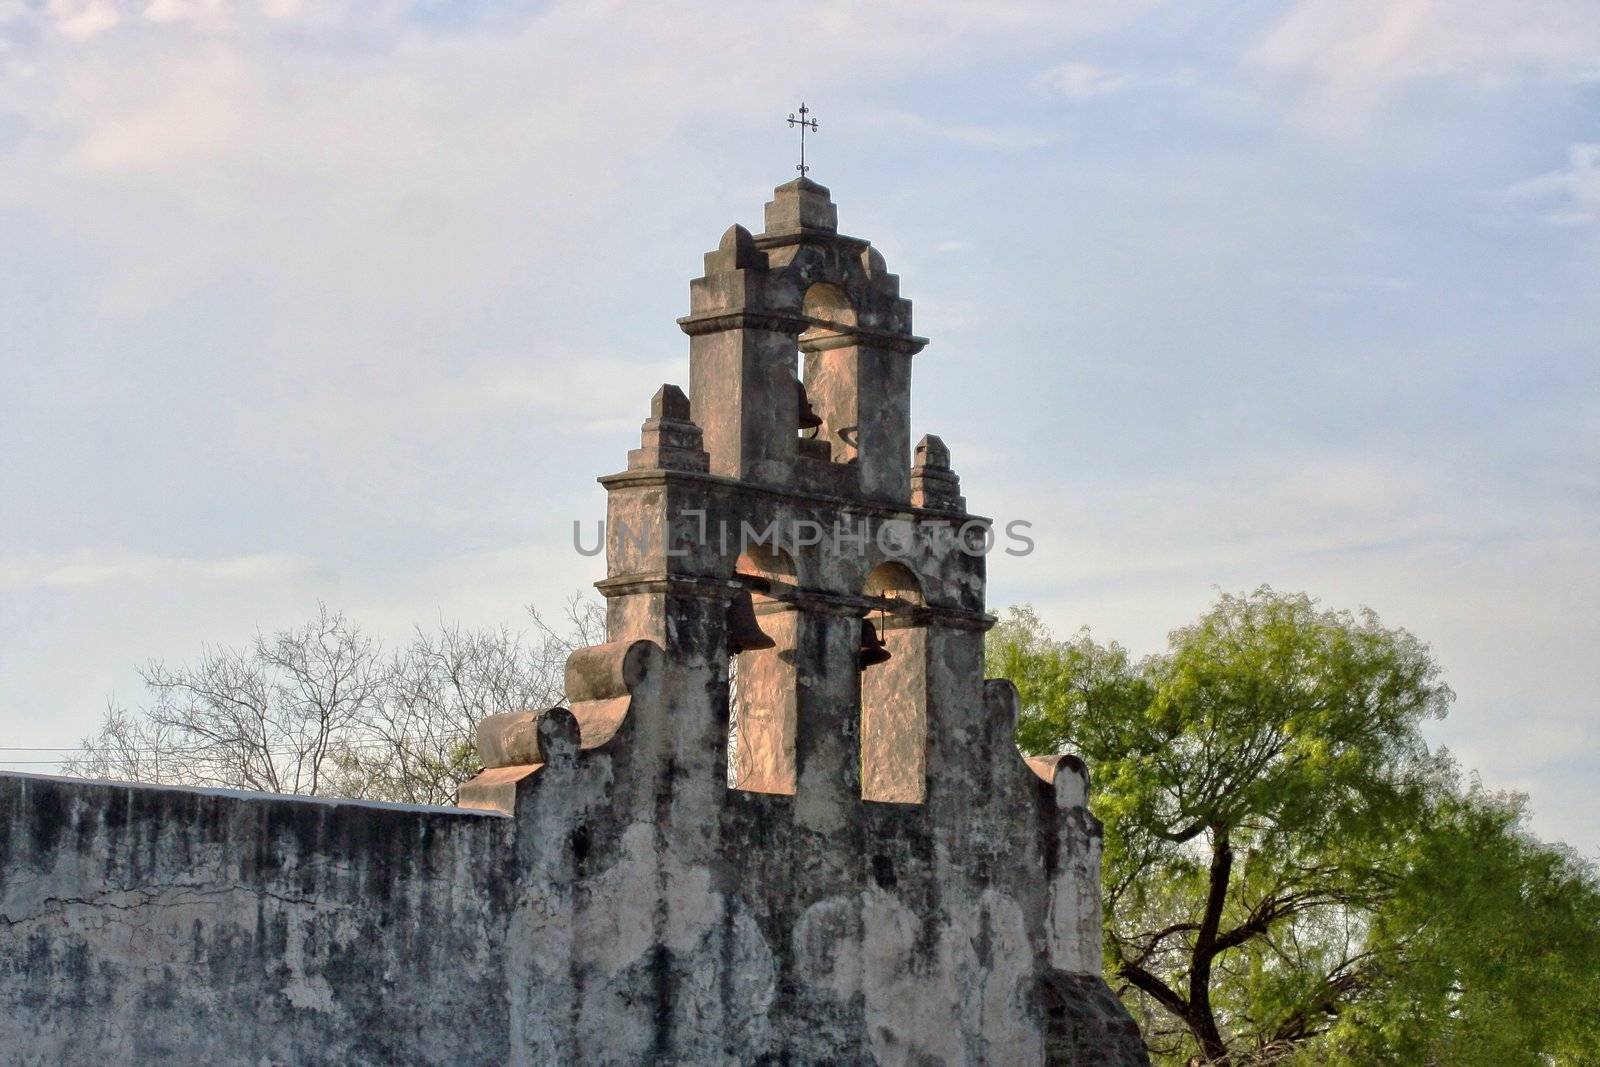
<point x="352" y="301"/>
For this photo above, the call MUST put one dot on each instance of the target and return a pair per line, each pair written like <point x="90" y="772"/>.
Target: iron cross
<point x="803" y="123"/>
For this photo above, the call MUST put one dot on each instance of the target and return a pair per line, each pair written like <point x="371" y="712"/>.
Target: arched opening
<point x="761" y="682"/>
<point x="830" y="377"/>
<point x="829" y="309"/>
<point x="894" y="582"/>
<point x="760" y="563"/>
<point x="894" y="693"/>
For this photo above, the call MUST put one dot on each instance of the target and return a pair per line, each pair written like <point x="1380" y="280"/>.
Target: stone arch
<point x="828" y="307"/>
<point x="893" y="580"/>
<point x="915" y="550"/>
<point x="828" y="372"/>
<point x="765" y="563"/>
<point x="855" y="268"/>
<point x="761" y="682"/>
<point x="894" y="694"/>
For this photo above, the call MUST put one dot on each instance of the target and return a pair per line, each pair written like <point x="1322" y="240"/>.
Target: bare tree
<point x="583" y="623"/>
<point x="321" y="710"/>
<point x="130" y="747"/>
<point x="418" y="739"/>
<point x="273" y="716"/>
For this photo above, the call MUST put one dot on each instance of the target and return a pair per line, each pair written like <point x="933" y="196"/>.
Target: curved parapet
<point x="1002" y="705"/>
<point x="601" y="672"/>
<point x="601" y="680"/>
<point x="519" y="738"/>
<point x="513" y="745"/>
<point x="1068" y="774"/>
<point x="1071" y="844"/>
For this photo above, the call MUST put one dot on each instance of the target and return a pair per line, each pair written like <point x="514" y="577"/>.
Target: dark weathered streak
<point x="144" y="925"/>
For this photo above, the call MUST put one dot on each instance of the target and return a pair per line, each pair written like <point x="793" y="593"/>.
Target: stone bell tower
<point x="795" y="823"/>
<point x="803" y="285"/>
<point x="774" y="515"/>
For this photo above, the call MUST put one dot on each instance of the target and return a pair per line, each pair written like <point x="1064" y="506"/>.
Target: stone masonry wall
<point x="632" y="910"/>
<point x="143" y="925"/>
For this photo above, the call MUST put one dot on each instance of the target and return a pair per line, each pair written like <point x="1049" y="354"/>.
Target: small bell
<point x="744" y="632"/>
<point x="872" y="650"/>
<point x="809" y="419"/>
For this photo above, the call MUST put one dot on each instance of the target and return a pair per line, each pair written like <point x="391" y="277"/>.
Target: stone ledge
<point x="864" y="506"/>
<point x="795" y="323"/>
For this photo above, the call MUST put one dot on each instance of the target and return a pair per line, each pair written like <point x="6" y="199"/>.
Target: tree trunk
<point x="1201" y="1019"/>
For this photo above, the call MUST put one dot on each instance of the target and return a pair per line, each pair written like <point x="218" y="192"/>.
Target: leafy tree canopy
<point x="1291" y="876"/>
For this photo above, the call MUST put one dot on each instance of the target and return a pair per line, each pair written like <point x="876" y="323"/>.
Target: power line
<point x="148" y="748"/>
<point x="175" y="752"/>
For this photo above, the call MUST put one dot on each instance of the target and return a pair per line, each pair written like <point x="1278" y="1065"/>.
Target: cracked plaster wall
<point x="141" y="925"/>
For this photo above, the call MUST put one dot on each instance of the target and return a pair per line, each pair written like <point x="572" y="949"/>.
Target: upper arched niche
<point x="828" y="310"/>
<point x="893" y="581"/>
<point x="773" y="272"/>
<point x="765" y="568"/>
<point x="852" y="267"/>
<point x="765" y="563"/>
<point x="826" y="302"/>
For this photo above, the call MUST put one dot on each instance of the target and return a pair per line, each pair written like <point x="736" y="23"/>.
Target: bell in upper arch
<point x="809" y="419"/>
<point x="872" y="649"/>
<point x="744" y="632"/>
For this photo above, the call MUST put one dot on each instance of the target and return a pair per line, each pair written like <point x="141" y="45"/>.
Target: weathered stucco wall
<point x="671" y="919"/>
<point x="145" y="925"/>
<point x="633" y="909"/>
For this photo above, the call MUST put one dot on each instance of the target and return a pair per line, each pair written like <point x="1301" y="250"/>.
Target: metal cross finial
<point x="803" y="123"/>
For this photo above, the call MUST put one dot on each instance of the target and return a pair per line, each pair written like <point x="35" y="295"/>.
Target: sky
<point x="351" y="302"/>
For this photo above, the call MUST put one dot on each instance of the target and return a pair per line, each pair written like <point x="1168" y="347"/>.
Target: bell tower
<point x="783" y="816"/>
<point x="801" y="291"/>
<point x="777" y="530"/>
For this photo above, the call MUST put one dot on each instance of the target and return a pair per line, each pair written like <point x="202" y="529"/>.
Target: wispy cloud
<point x="1088" y="81"/>
<point x="185" y="10"/>
<point x="1569" y="196"/>
<point x="984" y="136"/>
<point x="596" y="393"/>
<point x="1260" y="509"/>
<point x="79" y="20"/>
<point x="1342" y="289"/>
<point x="85" y="567"/>
<point x="1349" y="56"/>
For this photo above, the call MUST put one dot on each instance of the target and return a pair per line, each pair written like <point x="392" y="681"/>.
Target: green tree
<point x="1290" y="875"/>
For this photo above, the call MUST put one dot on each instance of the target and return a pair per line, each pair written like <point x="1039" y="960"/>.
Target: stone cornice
<point x="810" y="235"/>
<point x="884" y="509"/>
<point x="664" y="582"/>
<point x="794" y="323"/>
<point x="793" y="597"/>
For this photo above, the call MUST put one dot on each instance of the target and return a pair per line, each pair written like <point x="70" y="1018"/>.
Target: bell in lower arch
<point x="809" y="419"/>
<point x="873" y="651"/>
<point x="744" y="632"/>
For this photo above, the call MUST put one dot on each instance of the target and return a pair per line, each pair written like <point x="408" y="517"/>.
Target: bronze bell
<point x="873" y="651"/>
<point x="744" y="633"/>
<point x="809" y="419"/>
